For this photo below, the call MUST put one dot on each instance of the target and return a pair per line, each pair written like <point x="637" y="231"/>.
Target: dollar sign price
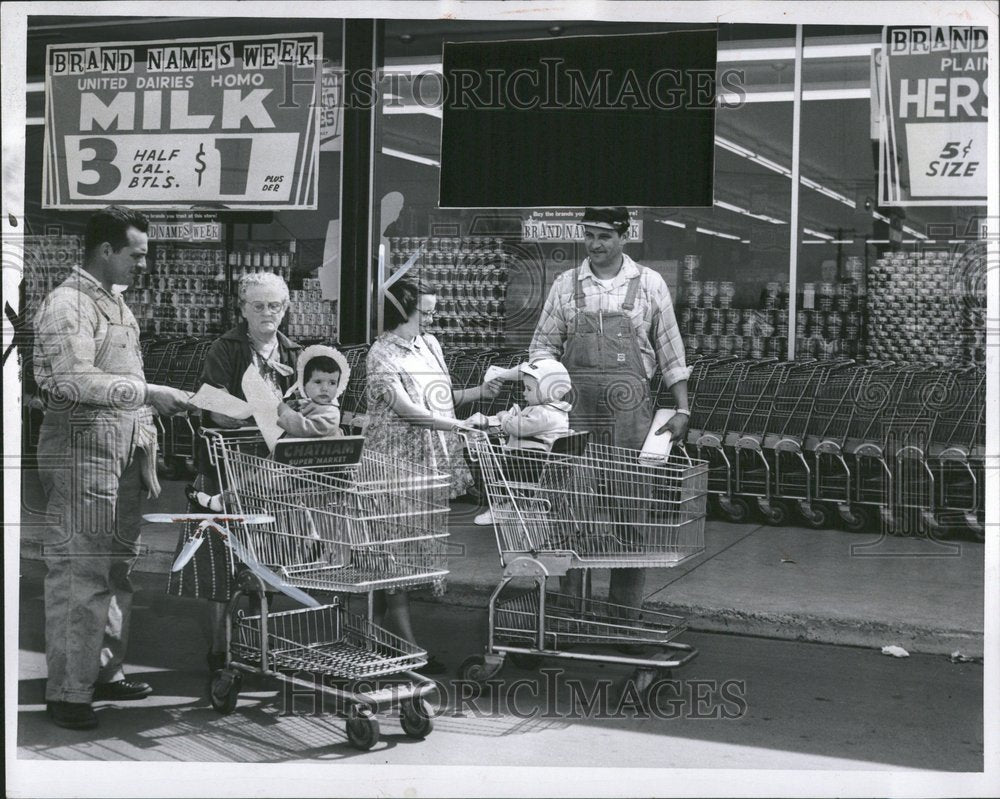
<point x="200" y="158"/>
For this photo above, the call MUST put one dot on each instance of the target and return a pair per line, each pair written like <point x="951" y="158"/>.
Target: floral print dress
<point x="418" y="366"/>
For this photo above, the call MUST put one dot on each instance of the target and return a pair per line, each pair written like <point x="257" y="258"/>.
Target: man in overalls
<point x="611" y="322"/>
<point x="96" y="455"/>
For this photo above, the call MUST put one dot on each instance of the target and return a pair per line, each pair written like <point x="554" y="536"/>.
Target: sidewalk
<point x="790" y="583"/>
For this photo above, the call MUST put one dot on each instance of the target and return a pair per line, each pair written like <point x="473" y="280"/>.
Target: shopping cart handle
<point x="168" y="518"/>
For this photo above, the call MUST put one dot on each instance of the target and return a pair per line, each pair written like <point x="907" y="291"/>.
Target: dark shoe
<point x="433" y="666"/>
<point x="215" y="661"/>
<point x="121" y="691"/>
<point x="72" y="715"/>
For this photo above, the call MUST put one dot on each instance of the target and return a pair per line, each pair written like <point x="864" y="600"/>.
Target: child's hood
<point x="313" y="351"/>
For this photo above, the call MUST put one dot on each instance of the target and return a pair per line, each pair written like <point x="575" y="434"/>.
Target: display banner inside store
<point x="932" y="104"/>
<point x="563" y="225"/>
<point x="218" y="123"/>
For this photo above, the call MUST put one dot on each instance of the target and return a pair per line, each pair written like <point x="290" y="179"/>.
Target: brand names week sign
<point x="221" y="122"/>
<point x="932" y="108"/>
<point x="562" y="225"/>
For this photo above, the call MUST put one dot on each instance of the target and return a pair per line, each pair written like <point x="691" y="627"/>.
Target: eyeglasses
<point x="273" y="307"/>
<point x="430" y="312"/>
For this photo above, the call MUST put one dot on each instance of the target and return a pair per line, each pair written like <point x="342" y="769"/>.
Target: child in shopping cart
<point x="315" y="413"/>
<point x="534" y="427"/>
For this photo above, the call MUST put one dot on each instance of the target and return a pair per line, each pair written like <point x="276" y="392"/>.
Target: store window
<point x="494" y="271"/>
<point x="875" y="282"/>
<point x="198" y="250"/>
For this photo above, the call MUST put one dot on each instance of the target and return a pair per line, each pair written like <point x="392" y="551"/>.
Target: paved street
<point x="744" y="703"/>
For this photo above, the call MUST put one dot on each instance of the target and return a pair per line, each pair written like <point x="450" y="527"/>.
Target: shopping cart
<point x="783" y="441"/>
<point x="584" y="506"/>
<point x="743" y="435"/>
<point x="354" y="400"/>
<point x="825" y="431"/>
<point x="957" y="452"/>
<point x="327" y="518"/>
<point x="710" y="405"/>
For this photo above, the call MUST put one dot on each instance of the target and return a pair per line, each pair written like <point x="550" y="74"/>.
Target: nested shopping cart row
<point x="178" y="363"/>
<point x="902" y="444"/>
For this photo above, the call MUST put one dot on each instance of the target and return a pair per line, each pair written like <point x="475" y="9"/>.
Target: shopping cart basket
<point x="584" y="506"/>
<point x="377" y="523"/>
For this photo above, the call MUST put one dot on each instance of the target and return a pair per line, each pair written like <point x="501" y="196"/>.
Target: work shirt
<point x="652" y="316"/>
<point x="70" y="329"/>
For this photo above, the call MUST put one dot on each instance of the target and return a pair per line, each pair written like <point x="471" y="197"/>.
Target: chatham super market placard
<point x="214" y="123"/>
<point x="932" y="103"/>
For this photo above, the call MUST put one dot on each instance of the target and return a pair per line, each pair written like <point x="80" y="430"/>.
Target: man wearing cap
<point x="611" y="322"/>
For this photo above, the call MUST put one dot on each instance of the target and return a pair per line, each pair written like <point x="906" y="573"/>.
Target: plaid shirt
<point x="69" y="331"/>
<point x="652" y="317"/>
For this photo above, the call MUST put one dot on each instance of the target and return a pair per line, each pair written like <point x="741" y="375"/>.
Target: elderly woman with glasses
<point x="255" y="341"/>
<point x="411" y="411"/>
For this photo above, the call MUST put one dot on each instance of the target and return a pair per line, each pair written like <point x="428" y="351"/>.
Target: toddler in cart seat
<point x="322" y="377"/>
<point x="534" y="427"/>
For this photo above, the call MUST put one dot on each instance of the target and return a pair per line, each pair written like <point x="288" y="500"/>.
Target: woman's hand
<point x="491" y="388"/>
<point x="479" y="421"/>
<point x="227" y="422"/>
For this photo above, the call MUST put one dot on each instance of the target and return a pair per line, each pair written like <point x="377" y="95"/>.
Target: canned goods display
<point x="919" y="309"/>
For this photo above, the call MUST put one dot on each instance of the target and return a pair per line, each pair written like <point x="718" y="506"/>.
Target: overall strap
<point x="578" y="297"/>
<point x="630" y="294"/>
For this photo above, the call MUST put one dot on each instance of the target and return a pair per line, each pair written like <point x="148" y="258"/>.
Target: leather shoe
<point x="72" y="715"/>
<point x="121" y="691"/>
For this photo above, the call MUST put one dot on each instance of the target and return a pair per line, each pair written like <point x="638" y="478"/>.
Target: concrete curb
<point x="787" y="627"/>
<point x="150" y="574"/>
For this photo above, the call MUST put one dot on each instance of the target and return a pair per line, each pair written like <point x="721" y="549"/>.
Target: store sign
<point x="219" y="123"/>
<point x="564" y="226"/>
<point x="184" y="227"/>
<point x="331" y="115"/>
<point x="932" y="107"/>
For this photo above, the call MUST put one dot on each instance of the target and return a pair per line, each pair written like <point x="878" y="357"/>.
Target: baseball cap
<point x="610" y="217"/>
<point x="553" y="379"/>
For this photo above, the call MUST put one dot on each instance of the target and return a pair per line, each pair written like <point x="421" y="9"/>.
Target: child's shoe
<point x="484" y="519"/>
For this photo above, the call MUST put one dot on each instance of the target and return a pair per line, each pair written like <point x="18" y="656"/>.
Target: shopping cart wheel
<point x="476" y="668"/>
<point x="415" y="718"/>
<point x="816" y="515"/>
<point x="775" y="511"/>
<point x="855" y="519"/>
<point x="734" y="509"/>
<point x="224" y="690"/>
<point x="362" y="727"/>
<point x="526" y="661"/>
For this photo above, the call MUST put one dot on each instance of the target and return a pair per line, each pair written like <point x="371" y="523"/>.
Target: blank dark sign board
<point x="587" y="120"/>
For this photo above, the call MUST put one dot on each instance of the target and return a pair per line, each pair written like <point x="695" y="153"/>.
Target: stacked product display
<point x="711" y="326"/>
<point x="470" y="277"/>
<point x="181" y="293"/>
<point x="47" y="263"/>
<point x="829" y="321"/>
<point x="922" y="310"/>
<point x="311" y="318"/>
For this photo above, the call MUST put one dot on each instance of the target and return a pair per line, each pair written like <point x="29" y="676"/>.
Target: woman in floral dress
<point x="411" y="410"/>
